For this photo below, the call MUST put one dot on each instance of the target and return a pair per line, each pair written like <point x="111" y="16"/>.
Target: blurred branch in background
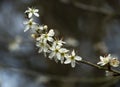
<point x="45" y="77"/>
<point x="91" y="8"/>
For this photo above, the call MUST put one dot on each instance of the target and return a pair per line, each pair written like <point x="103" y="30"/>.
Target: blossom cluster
<point x="53" y="48"/>
<point x="46" y="41"/>
<point x="109" y="60"/>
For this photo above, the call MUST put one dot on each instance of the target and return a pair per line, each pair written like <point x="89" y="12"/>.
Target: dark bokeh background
<point x="92" y="27"/>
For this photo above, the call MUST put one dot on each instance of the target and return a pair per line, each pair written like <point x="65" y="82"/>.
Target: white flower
<point x="63" y="54"/>
<point x="31" y="12"/>
<point x="30" y="24"/>
<point x="48" y="36"/>
<point x="54" y="52"/>
<point x="114" y="62"/>
<point x="58" y="53"/>
<point x="39" y="29"/>
<point x="72" y="58"/>
<point x="58" y="43"/>
<point x="43" y="47"/>
<point x="104" y="60"/>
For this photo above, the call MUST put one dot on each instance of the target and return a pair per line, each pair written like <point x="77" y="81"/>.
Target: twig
<point x="116" y="73"/>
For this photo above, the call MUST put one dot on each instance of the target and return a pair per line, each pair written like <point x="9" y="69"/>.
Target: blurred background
<point x="92" y="27"/>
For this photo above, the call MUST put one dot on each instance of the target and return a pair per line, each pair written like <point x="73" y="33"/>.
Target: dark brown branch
<point x="116" y="73"/>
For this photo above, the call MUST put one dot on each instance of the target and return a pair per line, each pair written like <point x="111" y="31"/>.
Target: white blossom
<point x="72" y="59"/>
<point x="30" y="24"/>
<point x="43" y="47"/>
<point x="55" y="53"/>
<point x="114" y="62"/>
<point x="58" y="53"/>
<point x="63" y="53"/>
<point x="31" y="12"/>
<point x="47" y="36"/>
<point x="104" y="60"/>
<point x="39" y="27"/>
<point x="58" y="43"/>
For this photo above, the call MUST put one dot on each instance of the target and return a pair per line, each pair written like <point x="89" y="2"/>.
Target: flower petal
<point x="73" y="63"/>
<point x="52" y="55"/>
<point x="63" y="50"/>
<point x="50" y="39"/>
<point x="78" y="58"/>
<point x="36" y="14"/>
<point x="45" y="49"/>
<point x="27" y="28"/>
<point x="40" y="50"/>
<point x="27" y="11"/>
<point x="56" y="60"/>
<point x="58" y="56"/>
<point x="51" y="32"/>
<point x="36" y="10"/>
<point x="62" y="60"/>
<point x="67" y="61"/>
<point x="30" y="15"/>
<point x="101" y="58"/>
<point x="73" y="53"/>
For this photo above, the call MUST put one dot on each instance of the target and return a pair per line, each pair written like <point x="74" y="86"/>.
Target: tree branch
<point x="116" y="73"/>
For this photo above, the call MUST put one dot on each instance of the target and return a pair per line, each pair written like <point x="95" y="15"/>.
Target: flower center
<point x="46" y="36"/>
<point x="72" y="57"/>
<point x="30" y="23"/>
<point x="32" y="11"/>
<point x="62" y="54"/>
<point x="42" y="44"/>
<point x="56" y="50"/>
